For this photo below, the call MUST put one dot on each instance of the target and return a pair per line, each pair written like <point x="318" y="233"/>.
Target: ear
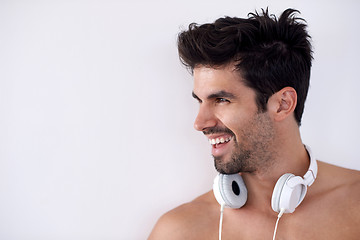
<point x="282" y="103"/>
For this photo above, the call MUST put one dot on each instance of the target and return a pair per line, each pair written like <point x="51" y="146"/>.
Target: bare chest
<point x="319" y="225"/>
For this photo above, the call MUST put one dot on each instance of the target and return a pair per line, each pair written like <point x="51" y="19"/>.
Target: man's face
<point x="241" y="137"/>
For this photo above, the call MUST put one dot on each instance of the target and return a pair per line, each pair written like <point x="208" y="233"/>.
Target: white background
<point x="96" y="113"/>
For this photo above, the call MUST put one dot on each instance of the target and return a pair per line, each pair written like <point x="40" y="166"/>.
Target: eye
<point x="222" y="100"/>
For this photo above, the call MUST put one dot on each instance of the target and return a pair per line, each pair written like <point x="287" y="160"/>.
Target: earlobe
<point x="283" y="103"/>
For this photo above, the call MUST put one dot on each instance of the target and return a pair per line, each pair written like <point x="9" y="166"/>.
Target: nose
<point x="204" y="119"/>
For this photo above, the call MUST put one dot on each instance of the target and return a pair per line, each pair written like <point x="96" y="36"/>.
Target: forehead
<point x="208" y="80"/>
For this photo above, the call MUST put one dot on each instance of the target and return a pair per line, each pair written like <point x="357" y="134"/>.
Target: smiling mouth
<point x="215" y="141"/>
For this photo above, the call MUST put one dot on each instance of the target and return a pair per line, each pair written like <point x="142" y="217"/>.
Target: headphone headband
<point x="311" y="174"/>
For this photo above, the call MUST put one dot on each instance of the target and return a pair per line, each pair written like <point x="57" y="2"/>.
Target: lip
<point x="222" y="144"/>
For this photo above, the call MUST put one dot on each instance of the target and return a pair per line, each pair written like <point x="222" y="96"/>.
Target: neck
<point x="291" y="158"/>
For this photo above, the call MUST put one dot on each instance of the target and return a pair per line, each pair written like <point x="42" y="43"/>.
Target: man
<point x="251" y="78"/>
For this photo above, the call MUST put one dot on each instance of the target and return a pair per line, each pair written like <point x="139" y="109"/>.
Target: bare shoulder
<point x="341" y="184"/>
<point x="339" y="176"/>
<point x="187" y="220"/>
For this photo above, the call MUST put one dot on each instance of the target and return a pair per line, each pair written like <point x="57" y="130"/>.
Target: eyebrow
<point x="195" y="96"/>
<point x="219" y="94"/>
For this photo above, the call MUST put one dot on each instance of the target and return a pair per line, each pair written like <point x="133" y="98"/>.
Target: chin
<point x="226" y="168"/>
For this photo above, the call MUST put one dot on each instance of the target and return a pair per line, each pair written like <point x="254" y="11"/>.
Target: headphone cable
<point x="277" y="221"/>
<point x="221" y="219"/>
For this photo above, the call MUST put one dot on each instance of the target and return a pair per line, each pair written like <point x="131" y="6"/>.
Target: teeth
<point x="219" y="140"/>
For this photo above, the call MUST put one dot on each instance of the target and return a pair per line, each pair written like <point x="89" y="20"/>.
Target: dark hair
<point x="269" y="53"/>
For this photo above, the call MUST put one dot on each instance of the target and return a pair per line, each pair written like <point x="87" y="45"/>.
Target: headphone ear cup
<point x="230" y="190"/>
<point x="275" y="199"/>
<point x="289" y="191"/>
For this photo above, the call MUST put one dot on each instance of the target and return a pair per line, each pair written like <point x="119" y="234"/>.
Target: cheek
<point x="234" y="120"/>
<point x="239" y="122"/>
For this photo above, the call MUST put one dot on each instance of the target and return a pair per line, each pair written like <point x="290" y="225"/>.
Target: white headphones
<point x="289" y="190"/>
